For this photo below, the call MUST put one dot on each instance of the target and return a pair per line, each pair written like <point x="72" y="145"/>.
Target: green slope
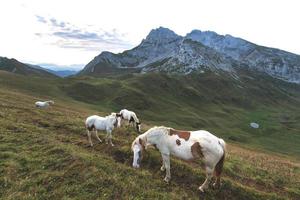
<point x="44" y="154"/>
<point x="207" y="101"/>
<point x="217" y="103"/>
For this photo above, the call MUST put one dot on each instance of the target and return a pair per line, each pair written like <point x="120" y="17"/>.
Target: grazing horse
<point x="186" y="145"/>
<point x="43" y="104"/>
<point x="107" y="123"/>
<point x="131" y="117"/>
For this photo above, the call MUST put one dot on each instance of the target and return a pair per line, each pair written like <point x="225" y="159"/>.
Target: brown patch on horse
<point x="155" y="146"/>
<point x="196" y="150"/>
<point x="131" y="119"/>
<point x="142" y="143"/>
<point x="91" y="128"/>
<point x="116" y="123"/>
<point x="178" y="142"/>
<point x="182" y="134"/>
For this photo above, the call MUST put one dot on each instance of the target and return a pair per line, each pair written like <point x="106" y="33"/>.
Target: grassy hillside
<point x="206" y="101"/>
<point x="44" y="154"/>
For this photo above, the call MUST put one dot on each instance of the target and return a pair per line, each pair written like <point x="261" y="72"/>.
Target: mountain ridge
<point x="172" y="53"/>
<point x="14" y="66"/>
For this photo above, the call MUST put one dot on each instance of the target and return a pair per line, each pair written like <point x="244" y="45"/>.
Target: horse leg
<point x="106" y="138"/>
<point x="89" y="137"/>
<point x="110" y="138"/>
<point x="96" y="132"/>
<point x="218" y="171"/>
<point x="209" y="172"/>
<point x="218" y="182"/>
<point x="163" y="168"/>
<point x="166" y="163"/>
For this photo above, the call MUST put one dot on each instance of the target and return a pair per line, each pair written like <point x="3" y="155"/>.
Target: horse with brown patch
<point x="186" y="145"/>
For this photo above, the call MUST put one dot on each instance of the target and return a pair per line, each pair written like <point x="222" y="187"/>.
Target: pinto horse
<point x="186" y="145"/>
<point x="131" y="117"/>
<point x="107" y="123"/>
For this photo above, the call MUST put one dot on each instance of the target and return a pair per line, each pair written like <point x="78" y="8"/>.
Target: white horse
<point x="107" y="123"/>
<point x="131" y="117"/>
<point x="43" y="104"/>
<point x="186" y="145"/>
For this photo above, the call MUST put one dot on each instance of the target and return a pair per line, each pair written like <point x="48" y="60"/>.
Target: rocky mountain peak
<point x="164" y="50"/>
<point x="161" y="34"/>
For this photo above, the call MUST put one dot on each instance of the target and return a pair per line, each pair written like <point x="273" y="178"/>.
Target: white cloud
<point x="270" y="23"/>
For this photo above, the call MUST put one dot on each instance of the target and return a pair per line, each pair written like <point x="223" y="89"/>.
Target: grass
<point x="44" y="154"/>
<point x="207" y="101"/>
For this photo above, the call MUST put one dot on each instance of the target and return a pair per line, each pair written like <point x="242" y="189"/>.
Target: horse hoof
<point x="167" y="180"/>
<point x="201" y="189"/>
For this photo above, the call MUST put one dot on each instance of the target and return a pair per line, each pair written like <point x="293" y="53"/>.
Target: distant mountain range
<point x="17" y="67"/>
<point x="14" y="66"/>
<point x="165" y="51"/>
<point x="62" y="70"/>
<point x="62" y="73"/>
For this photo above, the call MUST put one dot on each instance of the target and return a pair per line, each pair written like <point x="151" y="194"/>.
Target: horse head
<point x="138" y="126"/>
<point x="138" y="146"/>
<point x="119" y="118"/>
<point x="116" y="119"/>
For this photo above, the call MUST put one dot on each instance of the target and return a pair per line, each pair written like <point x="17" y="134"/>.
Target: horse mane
<point x="111" y="115"/>
<point x="135" y="118"/>
<point x="165" y="130"/>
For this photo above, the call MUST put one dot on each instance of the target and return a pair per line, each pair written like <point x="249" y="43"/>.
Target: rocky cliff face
<point x="165" y="51"/>
<point x="277" y="63"/>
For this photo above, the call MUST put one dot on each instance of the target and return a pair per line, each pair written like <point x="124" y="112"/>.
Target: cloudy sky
<point x="71" y="33"/>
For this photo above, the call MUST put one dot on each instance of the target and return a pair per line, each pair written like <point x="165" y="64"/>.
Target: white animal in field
<point x="131" y="117"/>
<point x="43" y="104"/>
<point x="97" y="123"/>
<point x="186" y="145"/>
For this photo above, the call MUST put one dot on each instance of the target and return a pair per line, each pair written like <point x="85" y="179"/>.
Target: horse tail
<point x="222" y="143"/>
<point x="219" y="165"/>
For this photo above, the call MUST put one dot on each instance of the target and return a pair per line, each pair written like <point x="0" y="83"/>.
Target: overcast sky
<point x="71" y="33"/>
